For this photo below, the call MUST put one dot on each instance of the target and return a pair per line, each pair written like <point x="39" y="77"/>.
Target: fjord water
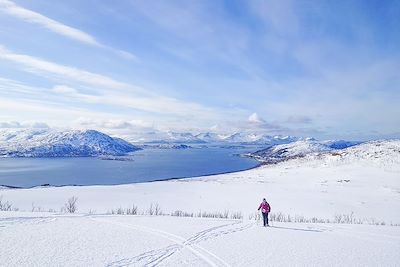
<point x="146" y="165"/>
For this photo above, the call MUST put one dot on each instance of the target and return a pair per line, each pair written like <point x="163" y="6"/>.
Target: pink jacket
<point x="265" y="207"/>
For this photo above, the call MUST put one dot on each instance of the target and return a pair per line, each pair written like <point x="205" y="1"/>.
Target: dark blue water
<point x="147" y="165"/>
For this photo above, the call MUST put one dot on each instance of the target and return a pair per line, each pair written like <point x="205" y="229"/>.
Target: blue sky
<point x="328" y="69"/>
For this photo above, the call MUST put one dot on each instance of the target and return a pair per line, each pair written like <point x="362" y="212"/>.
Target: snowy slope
<point x="384" y="150"/>
<point x="101" y="240"/>
<point x="50" y="143"/>
<point x="384" y="154"/>
<point x="298" y="149"/>
<point x="380" y="153"/>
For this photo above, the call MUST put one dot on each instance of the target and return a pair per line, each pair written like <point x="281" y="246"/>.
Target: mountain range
<point x="73" y="143"/>
<point x="238" y="138"/>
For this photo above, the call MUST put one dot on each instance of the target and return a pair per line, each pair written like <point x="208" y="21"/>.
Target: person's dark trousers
<point x="265" y="217"/>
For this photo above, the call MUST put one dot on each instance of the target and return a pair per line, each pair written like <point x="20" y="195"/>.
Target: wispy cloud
<point x="56" y="114"/>
<point x="41" y="66"/>
<point x="10" y="8"/>
<point x="27" y="15"/>
<point x="109" y="91"/>
<point x="115" y="124"/>
<point x="24" y="124"/>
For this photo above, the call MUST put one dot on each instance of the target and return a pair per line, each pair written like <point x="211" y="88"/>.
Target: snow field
<point x="105" y="240"/>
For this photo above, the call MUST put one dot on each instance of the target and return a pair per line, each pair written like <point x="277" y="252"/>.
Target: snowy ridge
<point x="101" y="240"/>
<point x="384" y="154"/>
<point x="381" y="152"/>
<point x="51" y="143"/>
<point x="298" y="149"/>
<point x="382" y="149"/>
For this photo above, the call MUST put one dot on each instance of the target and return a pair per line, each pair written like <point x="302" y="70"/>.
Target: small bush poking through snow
<point x="132" y="211"/>
<point x="179" y="213"/>
<point x="236" y="215"/>
<point x="70" y="206"/>
<point x="154" y="209"/>
<point x="203" y="214"/>
<point x="128" y="211"/>
<point x="338" y="218"/>
<point x="345" y="218"/>
<point x="216" y="214"/>
<point x="6" y="206"/>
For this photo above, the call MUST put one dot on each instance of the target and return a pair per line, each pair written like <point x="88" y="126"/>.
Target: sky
<point x="324" y="69"/>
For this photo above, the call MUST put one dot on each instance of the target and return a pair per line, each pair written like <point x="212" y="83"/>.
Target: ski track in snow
<point x="4" y="222"/>
<point x="157" y="256"/>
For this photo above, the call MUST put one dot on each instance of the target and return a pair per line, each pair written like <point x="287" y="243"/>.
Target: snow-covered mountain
<point x="238" y="138"/>
<point x="51" y="143"/>
<point x="210" y="137"/>
<point x="185" y="138"/>
<point x="298" y="149"/>
<point x="383" y="153"/>
<point x="158" y="137"/>
<point x="246" y="138"/>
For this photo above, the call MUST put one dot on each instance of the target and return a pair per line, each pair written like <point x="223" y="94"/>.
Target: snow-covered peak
<point x="187" y="138"/>
<point x="259" y="139"/>
<point x="383" y="152"/>
<point x="298" y="148"/>
<point x="159" y="137"/>
<point x="210" y="137"/>
<point x="237" y="138"/>
<point x="51" y="143"/>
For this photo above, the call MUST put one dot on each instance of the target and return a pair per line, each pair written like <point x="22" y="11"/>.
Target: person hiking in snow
<point x="265" y="209"/>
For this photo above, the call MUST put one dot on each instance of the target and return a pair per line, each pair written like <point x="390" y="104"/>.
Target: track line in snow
<point x="6" y="222"/>
<point x="154" y="257"/>
<point x="217" y="231"/>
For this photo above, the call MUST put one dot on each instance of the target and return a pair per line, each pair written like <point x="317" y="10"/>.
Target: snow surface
<point x="298" y="149"/>
<point x="99" y="240"/>
<point x="362" y="180"/>
<point x="51" y="143"/>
